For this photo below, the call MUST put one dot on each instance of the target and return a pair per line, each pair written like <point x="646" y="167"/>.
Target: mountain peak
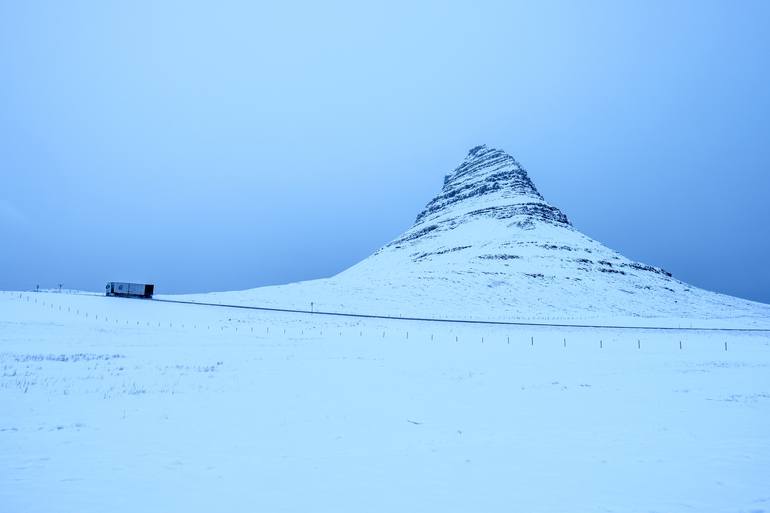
<point x="490" y="182"/>
<point x="490" y="246"/>
<point x="473" y="151"/>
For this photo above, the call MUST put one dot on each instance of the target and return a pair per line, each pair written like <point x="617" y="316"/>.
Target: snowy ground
<point x="127" y="405"/>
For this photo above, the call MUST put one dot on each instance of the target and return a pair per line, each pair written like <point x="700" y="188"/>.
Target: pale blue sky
<point x="227" y="145"/>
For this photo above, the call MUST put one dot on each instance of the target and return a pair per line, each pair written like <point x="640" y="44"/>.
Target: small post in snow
<point x="311" y="307"/>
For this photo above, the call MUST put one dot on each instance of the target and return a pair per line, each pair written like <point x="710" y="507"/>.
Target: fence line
<point x="507" y="337"/>
<point x="460" y="321"/>
<point x="450" y="320"/>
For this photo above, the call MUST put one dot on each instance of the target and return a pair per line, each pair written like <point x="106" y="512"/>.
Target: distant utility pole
<point x="60" y="288"/>
<point x="37" y="288"/>
<point x="311" y="307"/>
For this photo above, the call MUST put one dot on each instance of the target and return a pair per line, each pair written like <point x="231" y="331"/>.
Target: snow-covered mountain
<point x="489" y="246"/>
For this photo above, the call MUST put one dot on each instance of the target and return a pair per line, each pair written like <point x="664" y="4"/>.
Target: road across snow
<point x="127" y="405"/>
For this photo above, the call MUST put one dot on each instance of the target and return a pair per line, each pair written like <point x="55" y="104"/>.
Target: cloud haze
<point x="215" y="146"/>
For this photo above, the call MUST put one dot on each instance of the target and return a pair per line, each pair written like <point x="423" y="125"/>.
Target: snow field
<point x="156" y="407"/>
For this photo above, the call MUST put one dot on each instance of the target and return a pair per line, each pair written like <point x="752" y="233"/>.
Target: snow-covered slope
<point x="489" y="246"/>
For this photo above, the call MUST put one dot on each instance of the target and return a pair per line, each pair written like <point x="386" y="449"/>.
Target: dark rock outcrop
<point x="492" y="172"/>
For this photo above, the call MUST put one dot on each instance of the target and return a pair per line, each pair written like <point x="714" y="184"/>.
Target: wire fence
<point x="377" y="333"/>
